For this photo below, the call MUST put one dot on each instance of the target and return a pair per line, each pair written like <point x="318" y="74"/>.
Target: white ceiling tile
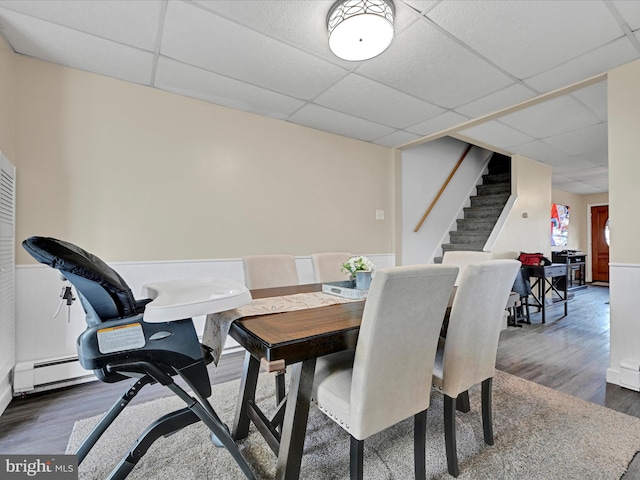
<point x="423" y="62"/>
<point x="373" y="101"/>
<point x="64" y="46"/>
<point x="436" y="124"/>
<point x="587" y="174"/>
<point x="496" y="134"/>
<point x="493" y="102"/>
<point x="322" y="118"/>
<point x="560" y="179"/>
<point x="300" y="23"/>
<point x="595" y="98"/>
<point x="527" y="38"/>
<point x="630" y="11"/>
<point x="580" y="141"/>
<point x="596" y="157"/>
<point x="538" y="150"/>
<point x="580" y="188"/>
<point x="569" y="164"/>
<point x="601" y="181"/>
<point x="592" y="63"/>
<point x="396" y="139"/>
<point x="131" y="22"/>
<point x="197" y="83"/>
<point x="421" y="5"/>
<point x="200" y="38"/>
<point x="552" y="117"/>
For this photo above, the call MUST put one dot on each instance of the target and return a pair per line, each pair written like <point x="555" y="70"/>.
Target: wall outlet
<point x="379" y="214"/>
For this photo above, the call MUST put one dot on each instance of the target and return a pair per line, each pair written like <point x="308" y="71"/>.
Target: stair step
<point x="467" y="247"/>
<point x="475" y="224"/>
<point x="489" y="200"/>
<point x="486" y="213"/>
<point x="468" y="237"/>
<point x="496" y="178"/>
<point x="494" y="189"/>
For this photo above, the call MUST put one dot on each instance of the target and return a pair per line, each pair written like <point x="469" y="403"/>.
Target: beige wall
<point x="7" y="94"/>
<point x="134" y="173"/>
<point x="531" y="182"/>
<point x="624" y="167"/>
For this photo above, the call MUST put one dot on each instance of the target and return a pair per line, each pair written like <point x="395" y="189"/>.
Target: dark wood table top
<point x="299" y="335"/>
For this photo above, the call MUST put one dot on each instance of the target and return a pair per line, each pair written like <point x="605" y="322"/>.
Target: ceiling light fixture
<point x="360" y="29"/>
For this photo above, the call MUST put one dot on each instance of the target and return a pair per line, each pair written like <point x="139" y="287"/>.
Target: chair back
<point x="396" y="346"/>
<point x="462" y="259"/>
<point x="474" y="324"/>
<point x="269" y="271"/>
<point x="103" y="293"/>
<point x="327" y="267"/>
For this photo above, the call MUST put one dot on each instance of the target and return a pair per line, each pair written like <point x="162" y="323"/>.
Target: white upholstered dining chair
<point x="468" y="356"/>
<point x="270" y="271"/>
<point x="381" y="382"/>
<point x="462" y="259"/>
<point x="327" y="267"/>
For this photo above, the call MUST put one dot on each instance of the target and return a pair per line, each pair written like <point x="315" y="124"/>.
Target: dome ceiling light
<point x="360" y="29"/>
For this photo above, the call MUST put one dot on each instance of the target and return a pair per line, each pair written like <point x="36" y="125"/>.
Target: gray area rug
<point x="539" y="434"/>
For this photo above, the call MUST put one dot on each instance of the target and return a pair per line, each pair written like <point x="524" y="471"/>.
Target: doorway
<point x="600" y="243"/>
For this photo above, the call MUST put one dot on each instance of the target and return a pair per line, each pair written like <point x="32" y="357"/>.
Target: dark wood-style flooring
<point x="569" y="354"/>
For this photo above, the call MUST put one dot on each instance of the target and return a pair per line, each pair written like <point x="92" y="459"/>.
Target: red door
<point x="600" y="243"/>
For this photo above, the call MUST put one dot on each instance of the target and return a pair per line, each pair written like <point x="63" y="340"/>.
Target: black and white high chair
<point x="149" y="340"/>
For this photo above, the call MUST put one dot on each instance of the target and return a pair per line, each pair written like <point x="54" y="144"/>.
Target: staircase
<point x="479" y="219"/>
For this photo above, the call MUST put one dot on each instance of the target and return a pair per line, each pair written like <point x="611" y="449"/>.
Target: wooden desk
<point x="544" y="281"/>
<point x="576" y="263"/>
<point x="290" y="338"/>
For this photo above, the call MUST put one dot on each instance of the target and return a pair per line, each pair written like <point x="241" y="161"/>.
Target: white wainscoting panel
<point x="40" y="337"/>
<point x="624" y="285"/>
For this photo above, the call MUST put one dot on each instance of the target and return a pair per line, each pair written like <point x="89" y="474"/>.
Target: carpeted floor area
<point x="539" y="433"/>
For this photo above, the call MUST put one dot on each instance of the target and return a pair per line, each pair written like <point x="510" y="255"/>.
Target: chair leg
<point x="356" y="461"/>
<point x="450" y="435"/>
<point x="110" y="416"/>
<point x="419" y="445"/>
<point x="462" y="402"/>
<point x="163" y="426"/>
<point x="487" y="421"/>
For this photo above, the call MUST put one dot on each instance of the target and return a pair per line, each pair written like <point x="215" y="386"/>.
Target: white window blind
<point x="7" y="264"/>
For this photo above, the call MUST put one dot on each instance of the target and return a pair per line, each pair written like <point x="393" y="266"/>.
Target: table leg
<point x="296" y="415"/>
<point x="566" y="298"/>
<point x="247" y="393"/>
<point x="541" y="295"/>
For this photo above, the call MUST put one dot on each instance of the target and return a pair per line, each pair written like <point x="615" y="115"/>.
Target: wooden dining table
<point x="293" y="339"/>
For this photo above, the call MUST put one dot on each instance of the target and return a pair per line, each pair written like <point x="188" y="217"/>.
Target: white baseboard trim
<point x="613" y="376"/>
<point x="5" y="396"/>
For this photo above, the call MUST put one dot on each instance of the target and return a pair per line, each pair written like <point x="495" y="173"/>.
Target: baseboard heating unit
<point x="41" y="375"/>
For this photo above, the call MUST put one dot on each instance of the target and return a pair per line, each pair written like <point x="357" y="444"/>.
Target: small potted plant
<point x="360" y="269"/>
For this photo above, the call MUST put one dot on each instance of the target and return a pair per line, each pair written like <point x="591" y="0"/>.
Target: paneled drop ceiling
<point x="455" y="68"/>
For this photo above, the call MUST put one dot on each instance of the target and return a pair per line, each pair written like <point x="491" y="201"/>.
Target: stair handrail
<point x="444" y="185"/>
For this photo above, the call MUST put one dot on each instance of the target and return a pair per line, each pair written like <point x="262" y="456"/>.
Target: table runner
<point x="217" y="325"/>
